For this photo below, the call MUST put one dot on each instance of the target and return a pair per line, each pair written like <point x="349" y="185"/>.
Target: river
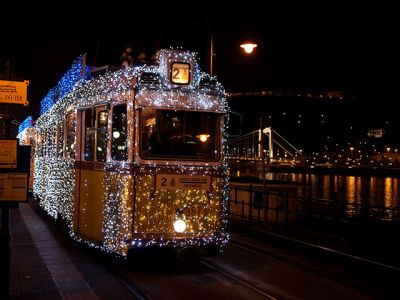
<point x="381" y="191"/>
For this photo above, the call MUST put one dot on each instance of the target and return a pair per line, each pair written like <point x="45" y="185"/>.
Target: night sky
<point x="332" y="47"/>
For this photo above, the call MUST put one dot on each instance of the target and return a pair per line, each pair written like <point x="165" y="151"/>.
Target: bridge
<point x="266" y="144"/>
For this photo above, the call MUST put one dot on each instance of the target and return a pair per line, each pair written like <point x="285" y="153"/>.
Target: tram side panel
<point x="93" y="124"/>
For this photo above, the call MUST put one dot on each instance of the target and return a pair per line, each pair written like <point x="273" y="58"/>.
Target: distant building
<point x="376" y="133"/>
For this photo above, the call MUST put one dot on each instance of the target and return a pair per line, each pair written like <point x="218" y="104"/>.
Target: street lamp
<point x="248" y="47"/>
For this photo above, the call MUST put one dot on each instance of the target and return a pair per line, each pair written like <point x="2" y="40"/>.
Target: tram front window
<point x="186" y="135"/>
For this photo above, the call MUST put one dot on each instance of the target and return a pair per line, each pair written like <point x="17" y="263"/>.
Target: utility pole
<point x="211" y="53"/>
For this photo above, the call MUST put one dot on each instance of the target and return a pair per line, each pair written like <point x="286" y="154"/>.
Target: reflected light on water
<point x="351" y="189"/>
<point x="378" y="192"/>
<point x="389" y="188"/>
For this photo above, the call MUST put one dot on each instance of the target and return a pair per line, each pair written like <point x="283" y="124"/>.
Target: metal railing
<point x="285" y="207"/>
<point x="249" y="203"/>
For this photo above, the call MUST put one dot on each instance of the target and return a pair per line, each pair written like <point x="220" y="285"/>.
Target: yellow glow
<point x="180" y="73"/>
<point x="248" y="47"/>
<point x="203" y="137"/>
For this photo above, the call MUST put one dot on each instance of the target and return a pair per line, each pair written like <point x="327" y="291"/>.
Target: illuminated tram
<point x="136" y="157"/>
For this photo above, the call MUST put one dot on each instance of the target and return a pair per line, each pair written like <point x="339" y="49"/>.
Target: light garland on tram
<point x="56" y="195"/>
<point x="27" y="123"/>
<point x="64" y="86"/>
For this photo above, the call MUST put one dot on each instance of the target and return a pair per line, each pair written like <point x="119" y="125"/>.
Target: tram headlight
<point x="116" y="134"/>
<point x="179" y="226"/>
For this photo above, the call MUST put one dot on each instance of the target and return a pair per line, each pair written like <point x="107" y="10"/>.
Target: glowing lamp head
<point x="179" y="226"/>
<point x="203" y="137"/>
<point x="248" y="47"/>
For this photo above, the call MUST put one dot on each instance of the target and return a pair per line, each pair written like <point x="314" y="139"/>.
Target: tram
<point x="135" y="158"/>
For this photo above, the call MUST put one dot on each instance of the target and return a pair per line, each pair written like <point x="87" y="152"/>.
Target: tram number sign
<point x="182" y="182"/>
<point x="180" y="73"/>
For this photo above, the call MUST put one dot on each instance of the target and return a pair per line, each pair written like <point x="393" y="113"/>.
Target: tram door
<point x="94" y="126"/>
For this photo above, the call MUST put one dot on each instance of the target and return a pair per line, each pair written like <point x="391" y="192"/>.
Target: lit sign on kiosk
<point x="180" y="73"/>
<point x="13" y="185"/>
<point x="8" y="154"/>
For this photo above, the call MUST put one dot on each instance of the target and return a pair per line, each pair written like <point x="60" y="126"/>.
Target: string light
<point x="27" y="123"/>
<point x="149" y="211"/>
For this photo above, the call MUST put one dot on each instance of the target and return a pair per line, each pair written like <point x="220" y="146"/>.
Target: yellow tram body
<point x="136" y="157"/>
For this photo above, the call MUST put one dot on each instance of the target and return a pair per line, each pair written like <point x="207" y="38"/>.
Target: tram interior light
<point x="203" y="137"/>
<point x="248" y="47"/>
<point x="179" y="226"/>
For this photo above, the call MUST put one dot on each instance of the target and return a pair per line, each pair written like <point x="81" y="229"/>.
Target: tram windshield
<point x="181" y="135"/>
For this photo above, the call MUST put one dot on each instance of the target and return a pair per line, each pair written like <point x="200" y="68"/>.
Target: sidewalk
<point x="45" y="264"/>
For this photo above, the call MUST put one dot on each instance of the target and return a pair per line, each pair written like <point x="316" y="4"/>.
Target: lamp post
<point x="248" y="49"/>
<point x="211" y="53"/>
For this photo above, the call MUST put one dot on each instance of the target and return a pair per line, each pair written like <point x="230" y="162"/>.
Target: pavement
<point x="46" y="264"/>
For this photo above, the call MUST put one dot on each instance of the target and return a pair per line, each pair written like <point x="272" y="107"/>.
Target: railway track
<point x="192" y="278"/>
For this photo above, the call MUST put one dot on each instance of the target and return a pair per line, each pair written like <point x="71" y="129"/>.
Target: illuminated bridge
<point x="276" y="149"/>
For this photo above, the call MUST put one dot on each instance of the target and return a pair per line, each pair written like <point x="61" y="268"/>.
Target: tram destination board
<point x="183" y="182"/>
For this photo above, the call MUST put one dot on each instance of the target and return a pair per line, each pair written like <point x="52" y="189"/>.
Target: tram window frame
<point x="88" y="149"/>
<point x="101" y="132"/>
<point x="69" y="136"/>
<point x="96" y="133"/>
<point x="120" y="139"/>
<point x="179" y="147"/>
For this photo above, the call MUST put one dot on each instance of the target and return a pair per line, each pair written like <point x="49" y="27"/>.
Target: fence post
<point x="251" y="205"/>
<point x="242" y="210"/>
<point x="309" y="201"/>
<point x="286" y="203"/>
<point x="236" y="188"/>
<point x="259" y="211"/>
<point x="266" y="205"/>
<point x="229" y="204"/>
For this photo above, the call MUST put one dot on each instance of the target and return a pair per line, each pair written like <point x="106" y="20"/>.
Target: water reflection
<point x="379" y="191"/>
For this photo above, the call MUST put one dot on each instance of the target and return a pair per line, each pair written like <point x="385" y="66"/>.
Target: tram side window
<point x="90" y="134"/>
<point x="96" y="135"/>
<point x="70" y="136"/>
<point x="101" y="143"/>
<point x="119" y="147"/>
